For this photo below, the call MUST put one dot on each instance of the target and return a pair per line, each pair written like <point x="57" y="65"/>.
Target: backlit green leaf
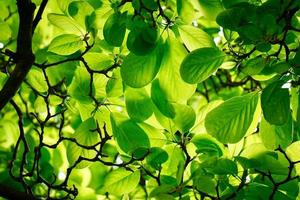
<point x="201" y="64"/>
<point x="210" y="8"/>
<point x="128" y="134"/>
<point x="169" y="77"/>
<point x="35" y="78"/>
<point x="84" y="135"/>
<point x="65" y="23"/>
<point x="195" y="38"/>
<point x="80" y="86"/>
<point x="138" y="104"/>
<point x="98" y="61"/>
<point x="121" y="181"/>
<point x="230" y="121"/>
<point x="66" y="44"/>
<point x="273" y="135"/>
<point x="138" y="71"/>
<point x="80" y="10"/>
<point x="207" y="144"/>
<point x="184" y="117"/>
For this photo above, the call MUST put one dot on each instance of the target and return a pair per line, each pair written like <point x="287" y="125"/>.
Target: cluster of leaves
<point x="141" y="99"/>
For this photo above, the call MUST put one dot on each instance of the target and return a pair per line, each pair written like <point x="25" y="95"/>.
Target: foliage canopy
<point x="149" y="99"/>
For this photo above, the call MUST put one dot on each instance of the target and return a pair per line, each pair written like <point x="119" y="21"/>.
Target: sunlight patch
<point x="61" y="175"/>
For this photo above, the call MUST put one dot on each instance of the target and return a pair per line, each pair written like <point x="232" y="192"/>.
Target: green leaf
<point x="156" y="157"/>
<point x="80" y="10"/>
<point x="207" y="144"/>
<point x="64" y="71"/>
<point x="66" y="44"/>
<point x="210" y="8"/>
<point x="102" y="14"/>
<point x="128" y="134"/>
<point x="185" y="10"/>
<point x="121" y="181"/>
<point x="159" y="98"/>
<point x="201" y="64"/>
<point x="256" y="156"/>
<point x="142" y="40"/>
<point x="36" y="79"/>
<point x="6" y="32"/>
<point x="273" y="136"/>
<point x="237" y="16"/>
<point x="155" y="135"/>
<point x="275" y="103"/>
<point x="231" y="3"/>
<point x="169" y="77"/>
<point x="114" y="30"/>
<point x="174" y="166"/>
<point x="253" y="66"/>
<point x="84" y="135"/>
<point x="99" y="82"/>
<point x="184" y="117"/>
<point x="3" y="78"/>
<point x="63" y="4"/>
<point x="250" y="32"/>
<point x="281" y="67"/>
<point x="225" y="166"/>
<point x="139" y="71"/>
<point x="114" y="87"/>
<point x="150" y="4"/>
<point x="138" y="104"/>
<point x="230" y="121"/>
<point x="293" y="153"/>
<point x="80" y="86"/>
<point x="195" y="38"/>
<point x="201" y="114"/>
<point x="162" y="192"/>
<point x="205" y="184"/>
<point x="65" y="23"/>
<point x="98" y="61"/>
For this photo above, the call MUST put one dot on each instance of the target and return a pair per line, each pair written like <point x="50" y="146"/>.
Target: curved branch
<point x="24" y="57"/>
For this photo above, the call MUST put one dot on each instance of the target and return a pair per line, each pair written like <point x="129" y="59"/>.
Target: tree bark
<point x="24" y="57"/>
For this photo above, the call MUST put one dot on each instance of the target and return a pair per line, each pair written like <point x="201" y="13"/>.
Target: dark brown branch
<point x="39" y="14"/>
<point x="10" y="193"/>
<point x="24" y="55"/>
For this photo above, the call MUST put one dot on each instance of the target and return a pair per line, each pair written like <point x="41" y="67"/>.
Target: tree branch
<point x="24" y="57"/>
<point x="10" y="193"/>
<point x="39" y="14"/>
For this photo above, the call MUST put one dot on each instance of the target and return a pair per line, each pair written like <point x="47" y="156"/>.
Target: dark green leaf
<point x="138" y="71"/>
<point x="138" y="104"/>
<point x="114" y="30"/>
<point x="275" y="103"/>
<point x="156" y="157"/>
